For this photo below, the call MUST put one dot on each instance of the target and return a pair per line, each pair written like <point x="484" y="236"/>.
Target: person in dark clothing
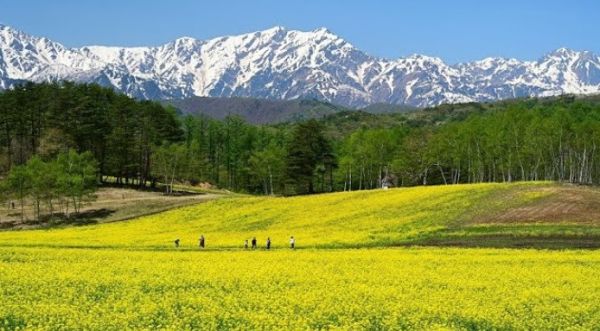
<point x="254" y="243"/>
<point x="201" y="240"/>
<point x="269" y="243"/>
<point x="177" y="242"/>
<point x="12" y="203"/>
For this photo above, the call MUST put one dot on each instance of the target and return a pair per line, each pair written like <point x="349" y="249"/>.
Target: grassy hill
<point x="498" y="215"/>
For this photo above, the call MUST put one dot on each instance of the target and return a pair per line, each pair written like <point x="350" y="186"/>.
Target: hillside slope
<point x="515" y="215"/>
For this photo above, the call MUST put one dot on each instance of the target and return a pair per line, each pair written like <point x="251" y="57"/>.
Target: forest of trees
<point x="61" y="185"/>
<point x="142" y="143"/>
<point x="120" y="133"/>
<point x="520" y="143"/>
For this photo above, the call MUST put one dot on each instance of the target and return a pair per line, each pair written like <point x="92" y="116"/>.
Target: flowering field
<point x="347" y="219"/>
<point x="128" y="275"/>
<point x="423" y="288"/>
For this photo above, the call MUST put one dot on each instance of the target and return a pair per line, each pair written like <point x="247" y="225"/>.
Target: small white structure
<point x="386" y="182"/>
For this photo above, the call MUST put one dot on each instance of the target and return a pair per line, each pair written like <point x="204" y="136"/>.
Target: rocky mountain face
<point x="286" y="64"/>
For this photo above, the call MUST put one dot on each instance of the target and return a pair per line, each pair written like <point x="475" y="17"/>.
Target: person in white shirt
<point x="292" y="242"/>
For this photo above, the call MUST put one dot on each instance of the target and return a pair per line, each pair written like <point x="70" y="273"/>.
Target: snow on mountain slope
<point x="285" y="64"/>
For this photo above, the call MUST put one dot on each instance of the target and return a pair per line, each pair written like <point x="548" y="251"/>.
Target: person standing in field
<point x="268" y="242"/>
<point x="254" y="243"/>
<point x="176" y="242"/>
<point x="201" y="240"/>
<point x="292" y="242"/>
<point x="246" y="244"/>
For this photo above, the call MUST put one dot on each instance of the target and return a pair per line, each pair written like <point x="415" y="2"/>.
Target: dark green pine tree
<point x="307" y="149"/>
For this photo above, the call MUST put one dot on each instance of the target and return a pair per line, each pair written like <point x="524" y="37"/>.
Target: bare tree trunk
<point x="270" y="179"/>
<point x="442" y="173"/>
<point x="350" y="186"/>
<point x="582" y="165"/>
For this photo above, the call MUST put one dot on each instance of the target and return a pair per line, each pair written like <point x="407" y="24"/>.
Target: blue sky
<point x="456" y="31"/>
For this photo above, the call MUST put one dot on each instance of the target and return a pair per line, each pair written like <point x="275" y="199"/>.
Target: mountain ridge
<point x="284" y="64"/>
<point x="256" y="111"/>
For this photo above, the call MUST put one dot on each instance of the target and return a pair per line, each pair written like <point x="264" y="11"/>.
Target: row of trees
<point x="46" y="119"/>
<point x="142" y="143"/>
<point x="519" y="144"/>
<point x="137" y="142"/>
<point x="522" y="141"/>
<point x="60" y="185"/>
<point x="241" y="157"/>
<point x="546" y="142"/>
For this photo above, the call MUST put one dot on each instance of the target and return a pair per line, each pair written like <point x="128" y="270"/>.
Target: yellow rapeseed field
<point x="348" y="289"/>
<point x="345" y="219"/>
<point x="345" y="275"/>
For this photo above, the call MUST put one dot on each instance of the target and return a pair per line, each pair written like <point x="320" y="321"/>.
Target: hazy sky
<point x="456" y="31"/>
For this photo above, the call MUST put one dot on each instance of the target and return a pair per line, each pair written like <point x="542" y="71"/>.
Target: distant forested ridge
<point x="268" y="111"/>
<point x="141" y="142"/>
<point x="256" y="111"/>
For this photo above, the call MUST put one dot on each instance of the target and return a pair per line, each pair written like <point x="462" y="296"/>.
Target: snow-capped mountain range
<point x="286" y="64"/>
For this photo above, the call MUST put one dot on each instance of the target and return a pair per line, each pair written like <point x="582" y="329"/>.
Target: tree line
<point x="142" y="143"/>
<point x="545" y="141"/>
<point x="62" y="184"/>
<point x="49" y="118"/>
<point x="522" y="140"/>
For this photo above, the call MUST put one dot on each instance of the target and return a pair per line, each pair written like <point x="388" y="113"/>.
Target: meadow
<point x="364" y="261"/>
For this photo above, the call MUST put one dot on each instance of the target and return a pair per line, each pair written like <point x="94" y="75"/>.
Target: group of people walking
<point x="202" y="242"/>
<point x="255" y="245"/>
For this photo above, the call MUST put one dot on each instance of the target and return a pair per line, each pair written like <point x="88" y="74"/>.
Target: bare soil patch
<point x="559" y="204"/>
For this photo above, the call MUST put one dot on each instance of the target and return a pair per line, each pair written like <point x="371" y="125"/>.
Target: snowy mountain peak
<point x="323" y="31"/>
<point x="274" y="30"/>
<point x="562" y="52"/>
<point x="424" y="59"/>
<point x="4" y="27"/>
<point x="186" y="40"/>
<point x="280" y="63"/>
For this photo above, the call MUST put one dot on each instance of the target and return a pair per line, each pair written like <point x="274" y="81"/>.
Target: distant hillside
<point x="460" y="111"/>
<point x="543" y="215"/>
<point x="385" y="108"/>
<point x="256" y="111"/>
<point x="265" y="111"/>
